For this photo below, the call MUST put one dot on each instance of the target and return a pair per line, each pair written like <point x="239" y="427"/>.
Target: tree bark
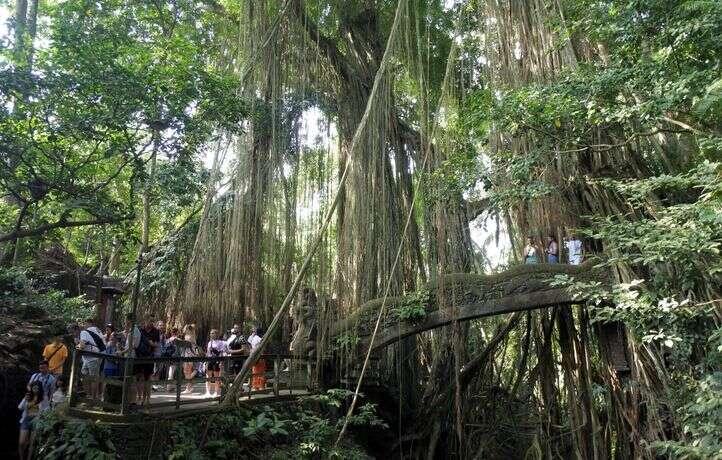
<point x="63" y="222"/>
<point x="21" y="18"/>
<point x="147" y="197"/>
<point x="18" y="224"/>
<point x="32" y="27"/>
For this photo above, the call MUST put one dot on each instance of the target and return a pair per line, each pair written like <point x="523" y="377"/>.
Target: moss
<point x="530" y="277"/>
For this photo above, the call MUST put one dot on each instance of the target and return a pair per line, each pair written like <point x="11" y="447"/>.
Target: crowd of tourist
<point x="103" y="355"/>
<point x="534" y="255"/>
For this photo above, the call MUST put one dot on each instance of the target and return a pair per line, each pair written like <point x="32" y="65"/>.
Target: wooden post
<point x="128" y="368"/>
<point x="308" y="375"/>
<point x="250" y="385"/>
<point x="178" y="379"/>
<point x="74" y="375"/>
<point x="276" y="376"/>
<point x="224" y="376"/>
<point x="127" y="382"/>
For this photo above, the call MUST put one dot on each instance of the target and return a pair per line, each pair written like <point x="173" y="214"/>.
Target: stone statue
<point x="304" y="318"/>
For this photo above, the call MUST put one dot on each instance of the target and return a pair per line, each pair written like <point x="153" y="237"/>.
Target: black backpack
<point x="238" y="343"/>
<point x="97" y="339"/>
<point x="143" y="350"/>
<point x="169" y="350"/>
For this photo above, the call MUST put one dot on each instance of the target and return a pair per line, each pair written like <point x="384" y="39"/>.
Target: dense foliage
<point x="28" y="296"/>
<point x="121" y="102"/>
<point x="599" y="119"/>
<point x="629" y="138"/>
<point x="308" y="430"/>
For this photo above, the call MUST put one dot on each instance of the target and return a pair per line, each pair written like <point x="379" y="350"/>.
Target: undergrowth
<point x="307" y="429"/>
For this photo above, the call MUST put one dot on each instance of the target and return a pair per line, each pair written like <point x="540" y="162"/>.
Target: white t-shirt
<point x="58" y="398"/>
<point x="254" y="340"/>
<point x="90" y="342"/>
<point x="219" y="345"/>
<point x="136" y="341"/>
<point x="575" y="251"/>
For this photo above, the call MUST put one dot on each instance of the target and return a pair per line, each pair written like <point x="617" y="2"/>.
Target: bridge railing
<point x="118" y="391"/>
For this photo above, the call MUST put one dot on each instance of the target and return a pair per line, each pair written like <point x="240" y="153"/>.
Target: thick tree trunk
<point x="21" y="20"/>
<point x="32" y="27"/>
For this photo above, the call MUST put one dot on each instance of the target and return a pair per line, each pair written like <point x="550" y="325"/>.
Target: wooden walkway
<point x="196" y="403"/>
<point x="287" y="378"/>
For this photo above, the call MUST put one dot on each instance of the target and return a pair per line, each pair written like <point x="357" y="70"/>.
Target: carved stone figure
<point x="305" y="316"/>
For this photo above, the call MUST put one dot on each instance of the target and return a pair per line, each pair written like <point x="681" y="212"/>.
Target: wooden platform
<point x="193" y="403"/>
<point x="169" y="400"/>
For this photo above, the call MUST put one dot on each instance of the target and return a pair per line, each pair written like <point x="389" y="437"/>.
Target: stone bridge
<point x="465" y="297"/>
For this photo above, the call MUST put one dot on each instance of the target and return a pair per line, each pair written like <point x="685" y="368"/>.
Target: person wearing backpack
<point x="138" y="348"/>
<point x="45" y="377"/>
<point x="55" y="353"/>
<point x="135" y="346"/>
<point x="91" y="339"/>
<point x="149" y="343"/>
<point x="170" y="350"/>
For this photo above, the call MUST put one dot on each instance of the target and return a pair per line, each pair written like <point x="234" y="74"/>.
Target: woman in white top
<point x="60" y="393"/>
<point x="215" y="350"/>
<point x="259" y="369"/>
<point x="32" y="405"/>
<point x="531" y="252"/>
<point x="190" y="370"/>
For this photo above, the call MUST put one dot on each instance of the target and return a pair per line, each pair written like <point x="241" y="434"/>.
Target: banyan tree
<point x="414" y="121"/>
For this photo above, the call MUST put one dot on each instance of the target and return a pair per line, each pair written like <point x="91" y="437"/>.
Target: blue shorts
<point x="552" y="259"/>
<point x="28" y="424"/>
<point x="111" y="372"/>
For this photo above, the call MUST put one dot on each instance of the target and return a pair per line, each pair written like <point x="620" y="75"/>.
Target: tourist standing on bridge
<point x="170" y="351"/>
<point x="189" y="333"/>
<point x="109" y="331"/>
<point x="552" y="250"/>
<point x="150" y="341"/>
<point x="55" y="353"/>
<point x="531" y="252"/>
<point x="190" y="368"/>
<point x="133" y="349"/>
<point x="160" y="372"/>
<point x="237" y="347"/>
<point x="91" y="339"/>
<point x="258" y="381"/>
<point x="215" y="350"/>
<point x="575" y="250"/>
<point x="111" y="370"/>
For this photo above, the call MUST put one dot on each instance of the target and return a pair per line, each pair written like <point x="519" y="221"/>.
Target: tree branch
<point x="475" y="208"/>
<point x="470" y="368"/>
<point x="61" y="223"/>
<point x="325" y="44"/>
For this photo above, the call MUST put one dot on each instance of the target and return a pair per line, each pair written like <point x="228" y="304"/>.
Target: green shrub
<point x="413" y="309"/>
<point x="27" y="297"/>
<point x="60" y="438"/>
